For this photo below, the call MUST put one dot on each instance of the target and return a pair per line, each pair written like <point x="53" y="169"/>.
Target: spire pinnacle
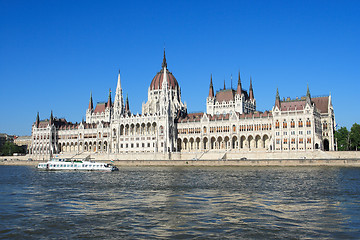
<point x="127" y="104"/>
<point x="239" y="87"/>
<point x="164" y="64"/>
<point x="224" y="84"/>
<point x="251" y="91"/>
<point x="51" y="117"/>
<point x="109" y="99"/>
<point x="37" y="120"/>
<point x="277" y="99"/>
<point x="308" y="92"/>
<point x="211" y="89"/>
<point x="91" y="106"/>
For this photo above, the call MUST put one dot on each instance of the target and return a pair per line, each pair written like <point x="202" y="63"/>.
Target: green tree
<point x="9" y="148"/>
<point x="342" y="138"/>
<point x="355" y="137"/>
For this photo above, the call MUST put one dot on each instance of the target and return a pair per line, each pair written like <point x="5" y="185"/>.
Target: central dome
<point x="157" y="81"/>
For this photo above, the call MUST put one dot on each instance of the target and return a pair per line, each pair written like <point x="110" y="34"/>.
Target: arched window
<point x="300" y="124"/>
<point x="277" y="124"/>
<point x="292" y="124"/>
<point x="284" y="124"/>
<point x="161" y="130"/>
<point x="308" y="123"/>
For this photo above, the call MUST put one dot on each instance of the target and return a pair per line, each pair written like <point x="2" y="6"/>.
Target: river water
<point x="181" y="203"/>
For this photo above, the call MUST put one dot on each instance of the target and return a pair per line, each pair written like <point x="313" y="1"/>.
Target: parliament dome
<point x="157" y="81"/>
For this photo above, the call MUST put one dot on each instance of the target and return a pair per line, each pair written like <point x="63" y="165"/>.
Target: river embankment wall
<point x="210" y="158"/>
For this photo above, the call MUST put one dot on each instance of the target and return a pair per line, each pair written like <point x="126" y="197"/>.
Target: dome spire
<point x="164" y="64"/>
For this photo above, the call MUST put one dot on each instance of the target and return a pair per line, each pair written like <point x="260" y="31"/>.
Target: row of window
<point x="293" y="140"/>
<point x="292" y="124"/>
<point x="224" y="129"/>
<point x="308" y="132"/>
<point x="132" y="145"/>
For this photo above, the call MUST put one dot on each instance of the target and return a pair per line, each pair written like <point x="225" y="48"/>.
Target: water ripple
<point x="181" y="203"/>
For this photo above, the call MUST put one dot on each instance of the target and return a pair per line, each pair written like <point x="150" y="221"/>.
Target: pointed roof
<point x="91" y="105"/>
<point x="251" y="91"/>
<point x="239" y="87"/>
<point x="127" y="107"/>
<point x="224" y="84"/>
<point x="109" y="99"/>
<point x="51" y="117"/>
<point x="119" y="82"/>
<point x="211" y="89"/>
<point x="277" y="99"/>
<point x="37" y="120"/>
<point x="308" y="92"/>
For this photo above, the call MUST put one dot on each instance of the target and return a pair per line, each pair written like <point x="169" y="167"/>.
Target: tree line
<point x="9" y="148"/>
<point x="348" y="140"/>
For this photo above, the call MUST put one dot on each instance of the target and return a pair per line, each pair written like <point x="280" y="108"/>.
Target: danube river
<point x="181" y="203"/>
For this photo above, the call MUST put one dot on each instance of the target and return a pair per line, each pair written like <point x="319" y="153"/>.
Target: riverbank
<point x="229" y="158"/>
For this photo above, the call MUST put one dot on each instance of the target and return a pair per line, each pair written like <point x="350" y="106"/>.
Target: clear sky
<point x="54" y="53"/>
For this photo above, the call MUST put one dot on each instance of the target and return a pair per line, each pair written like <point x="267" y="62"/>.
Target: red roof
<point x="156" y="83"/>
<point x="321" y="103"/>
<point x="225" y="95"/>
<point x="292" y="105"/>
<point x="100" y="107"/>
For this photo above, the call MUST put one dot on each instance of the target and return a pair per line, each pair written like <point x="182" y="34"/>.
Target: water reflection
<point x="176" y="202"/>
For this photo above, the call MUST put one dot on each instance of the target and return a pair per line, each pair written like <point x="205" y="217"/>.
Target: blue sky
<point x="53" y="53"/>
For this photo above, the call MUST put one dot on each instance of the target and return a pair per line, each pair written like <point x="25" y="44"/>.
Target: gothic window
<point x="284" y="124"/>
<point x="277" y="124"/>
<point x="308" y="123"/>
<point x="161" y="130"/>
<point x="300" y="124"/>
<point x="292" y="124"/>
<point x="204" y="129"/>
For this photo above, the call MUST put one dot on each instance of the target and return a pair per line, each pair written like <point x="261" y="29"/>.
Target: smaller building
<point x="24" y="142"/>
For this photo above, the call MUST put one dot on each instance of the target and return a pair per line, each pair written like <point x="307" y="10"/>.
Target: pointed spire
<point x="109" y="99"/>
<point x="231" y="87"/>
<point x="251" y="91"/>
<point x="127" y="107"/>
<point x="164" y="64"/>
<point x="308" y="92"/>
<point x="224" y="84"/>
<point x="119" y="81"/>
<point x="239" y="87"/>
<point x="51" y="118"/>
<point x="277" y="99"/>
<point x="37" y="120"/>
<point x="119" y="102"/>
<point x="91" y="106"/>
<point x="211" y="89"/>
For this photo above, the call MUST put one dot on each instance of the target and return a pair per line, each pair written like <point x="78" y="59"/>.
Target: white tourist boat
<point x="76" y="164"/>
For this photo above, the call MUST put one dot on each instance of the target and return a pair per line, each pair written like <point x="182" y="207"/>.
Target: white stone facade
<point x="231" y="123"/>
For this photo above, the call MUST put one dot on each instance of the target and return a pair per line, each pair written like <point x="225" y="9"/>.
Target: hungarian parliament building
<point x="230" y="123"/>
